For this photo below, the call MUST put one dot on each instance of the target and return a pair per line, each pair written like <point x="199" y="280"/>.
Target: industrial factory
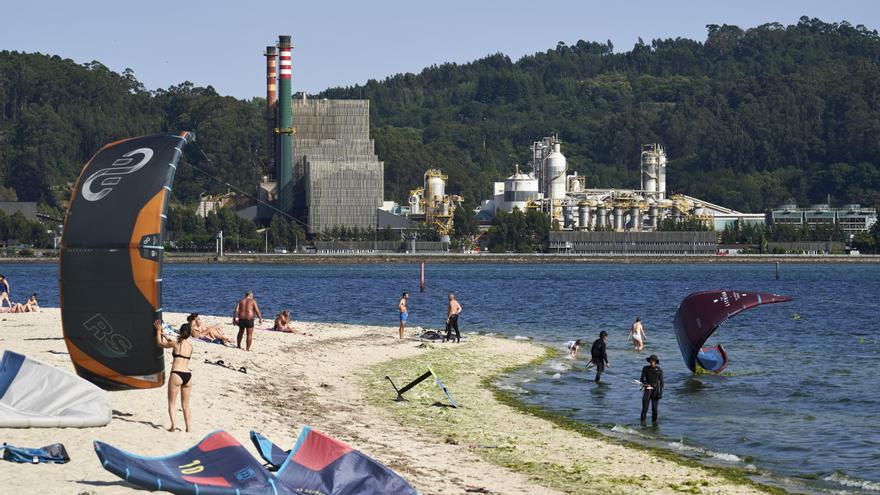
<point x="572" y="205"/>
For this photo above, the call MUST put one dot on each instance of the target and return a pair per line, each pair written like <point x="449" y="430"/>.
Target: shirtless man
<point x="243" y="316"/>
<point x="452" y="312"/>
<point x="637" y="334"/>
<point x="401" y="306"/>
<point x="283" y="323"/>
<point x="201" y="330"/>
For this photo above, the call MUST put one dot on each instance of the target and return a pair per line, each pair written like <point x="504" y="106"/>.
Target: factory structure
<point x="430" y="204"/>
<point x="573" y="205"/>
<point x="325" y="169"/>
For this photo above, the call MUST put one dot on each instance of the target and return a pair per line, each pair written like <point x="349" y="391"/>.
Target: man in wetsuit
<point x="652" y="387"/>
<point x="452" y="311"/>
<point x="598" y="356"/>
<point x="243" y="316"/>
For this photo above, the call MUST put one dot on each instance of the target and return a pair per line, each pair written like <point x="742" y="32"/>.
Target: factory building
<point x="572" y="205"/>
<point x="336" y="171"/>
<point x="432" y="205"/>
<point x="324" y="166"/>
<point x="852" y="219"/>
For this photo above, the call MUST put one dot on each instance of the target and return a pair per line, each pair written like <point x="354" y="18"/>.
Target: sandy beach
<point x="330" y="377"/>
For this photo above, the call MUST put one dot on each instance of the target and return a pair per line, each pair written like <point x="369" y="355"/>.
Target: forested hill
<point x="749" y="118"/>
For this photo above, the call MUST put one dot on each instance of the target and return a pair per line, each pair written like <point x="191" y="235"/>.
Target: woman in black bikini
<point x="180" y="378"/>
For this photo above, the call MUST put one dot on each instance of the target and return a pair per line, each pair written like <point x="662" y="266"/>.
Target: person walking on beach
<point x="573" y="347"/>
<point x="4" y="291"/>
<point x="652" y="387"/>
<point x="180" y="378"/>
<point x="243" y="316"/>
<point x="452" y="312"/>
<point x="637" y="334"/>
<point x="598" y="356"/>
<point x="401" y="307"/>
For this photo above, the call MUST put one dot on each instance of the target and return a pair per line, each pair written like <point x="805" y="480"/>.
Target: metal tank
<point x="554" y="168"/>
<point x="653" y="212"/>
<point x="650" y="162"/>
<point x="617" y="214"/>
<point x="635" y="220"/>
<point x="415" y="207"/>
<point x="661" y="173"/>
<point x="602" y="215"/>
<point x="519" y="189"/>
<point x="583" y="215"/>
<point x="567" y="216"/>
<point x="435" y="185"/>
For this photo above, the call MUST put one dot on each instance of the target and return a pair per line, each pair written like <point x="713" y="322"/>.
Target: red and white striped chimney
<point x="285" y="47"/>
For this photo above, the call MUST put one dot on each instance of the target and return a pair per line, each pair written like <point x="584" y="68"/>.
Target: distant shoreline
<point x="487" y="258"/>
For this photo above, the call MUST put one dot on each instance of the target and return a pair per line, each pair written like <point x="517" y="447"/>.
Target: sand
<point x="331" y="379"/>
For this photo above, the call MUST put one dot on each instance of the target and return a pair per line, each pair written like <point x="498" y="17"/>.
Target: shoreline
<point x="486" y="258"/>
<point x="331" y="377"/>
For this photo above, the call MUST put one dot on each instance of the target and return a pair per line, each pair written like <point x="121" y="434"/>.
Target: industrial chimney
<point x="284" y="164"/>
<point x="271" y="97"/>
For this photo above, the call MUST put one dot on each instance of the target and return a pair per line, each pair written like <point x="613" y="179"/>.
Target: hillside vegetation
<point x="750" y="118"/>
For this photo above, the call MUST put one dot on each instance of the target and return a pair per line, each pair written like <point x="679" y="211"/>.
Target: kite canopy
<point x="701" y="313"/>
<point x="35" y="394"/>
<point x="320" y="464"/>
<point x="111" y="261"/>
<point x="218" y="464"/>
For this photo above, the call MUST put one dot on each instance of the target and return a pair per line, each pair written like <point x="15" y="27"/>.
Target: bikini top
<point x="180" y="356"/>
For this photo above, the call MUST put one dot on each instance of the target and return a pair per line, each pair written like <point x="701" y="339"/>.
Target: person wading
<point x="598" y="356"/>
<point x="243" y="316"/>
<point x="401" y="307"/>
<point x="652" y="387"/>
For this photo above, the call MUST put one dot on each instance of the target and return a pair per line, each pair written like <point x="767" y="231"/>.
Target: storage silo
<point x="554" y="167"/>
<point x="519" y="189"/>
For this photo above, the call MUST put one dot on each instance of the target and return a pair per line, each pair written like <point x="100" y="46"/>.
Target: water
<point x="802" y="401"/>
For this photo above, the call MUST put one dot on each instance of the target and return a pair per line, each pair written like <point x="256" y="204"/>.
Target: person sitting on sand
<point x="32" y="304"/>
<point x="4" y="291"/>
<point x="573" y="346"/>
<point x="202" y="331"/>
<point x="283" y="323"/>
<point x="180" y="378"/>
<point x="637" y="334"/>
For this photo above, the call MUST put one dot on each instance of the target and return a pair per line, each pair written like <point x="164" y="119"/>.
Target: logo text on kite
<point x="113" y="174"/>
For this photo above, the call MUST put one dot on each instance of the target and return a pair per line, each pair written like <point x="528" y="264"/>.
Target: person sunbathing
<point x="283" y="323"/>
<point x="202" y="331"/>
<point x="32" y="304"/>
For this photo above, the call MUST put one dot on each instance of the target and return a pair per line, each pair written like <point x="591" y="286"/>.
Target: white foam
<point x="721" y="456"/>
<point x="491" y="334"/>
<point x="626" y="430"/>
<point x="520" y="337"/>
<point x="557" y="376"/>
<point x="559" y="367"/>
<point x="838" y="477"/>
<point x="512" y="388"/>
<point x="527" y="380"/>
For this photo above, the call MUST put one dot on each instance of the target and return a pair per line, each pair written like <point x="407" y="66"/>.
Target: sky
<point x="220" y="43"/>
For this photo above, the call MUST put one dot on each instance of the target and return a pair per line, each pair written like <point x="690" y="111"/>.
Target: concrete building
<point x="634" y="243"/>
<point x="852" y="219"/>
<point x="339" y="180"/>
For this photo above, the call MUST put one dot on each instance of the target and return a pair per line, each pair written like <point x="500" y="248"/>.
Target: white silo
<point x="519" y="189"/>
<point x="661" y="167"/>
<point x="554" y="168"/>
<point x="650" y="162"/>
<point x="435" y="185"/>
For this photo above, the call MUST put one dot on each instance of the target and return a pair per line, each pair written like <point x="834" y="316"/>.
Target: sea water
<point x="800" y="399"/>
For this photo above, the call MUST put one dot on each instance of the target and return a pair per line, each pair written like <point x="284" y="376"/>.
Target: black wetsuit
<point x="451" y="325"/>
<point x="599" y="357"/>
<point x="654" y="377"/>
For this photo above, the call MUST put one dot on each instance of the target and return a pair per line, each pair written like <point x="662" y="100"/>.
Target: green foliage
<point x="686" y="225"/>
<point x="519" y="232"/>
<point x="16" y="228"/>
<point x="749" y="118"/>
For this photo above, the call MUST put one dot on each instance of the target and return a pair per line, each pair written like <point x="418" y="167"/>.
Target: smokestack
<point x="271" y="97"/>
<point x="284" y="164"/>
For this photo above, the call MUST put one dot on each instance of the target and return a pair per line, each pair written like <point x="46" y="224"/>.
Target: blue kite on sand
<point x="219" y="465"/>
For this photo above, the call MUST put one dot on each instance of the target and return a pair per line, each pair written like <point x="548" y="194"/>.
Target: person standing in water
<point x="180" y="378"/>
<point x="243" y="316"/>
<point x="652" y="387"/>
<point x="573" y="347"/>
<point x="452" y="312"/>
<point x="637" y="334"/>
<point x="4" y="291"/>
<point x="598" y="356"/>
<point x="401" y="307"/>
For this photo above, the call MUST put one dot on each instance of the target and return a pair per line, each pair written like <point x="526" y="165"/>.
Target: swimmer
<point x="637" y="334"/>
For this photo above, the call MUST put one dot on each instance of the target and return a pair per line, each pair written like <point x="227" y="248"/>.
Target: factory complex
<point x="325" y="173"/>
